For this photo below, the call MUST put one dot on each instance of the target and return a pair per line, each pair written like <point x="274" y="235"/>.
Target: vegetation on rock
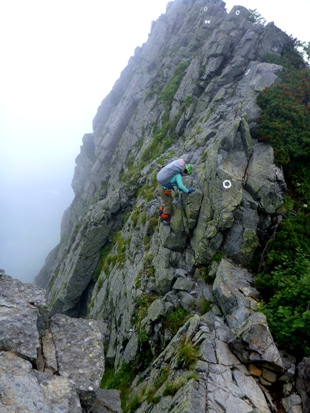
<point x="284" y="276"/>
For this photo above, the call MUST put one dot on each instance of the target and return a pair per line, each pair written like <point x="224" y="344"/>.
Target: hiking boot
<point x="165" y="219"/>
<point x="161" y="210"/>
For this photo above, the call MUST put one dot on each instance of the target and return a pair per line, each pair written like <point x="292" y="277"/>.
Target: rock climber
<point x="168" y="177"/>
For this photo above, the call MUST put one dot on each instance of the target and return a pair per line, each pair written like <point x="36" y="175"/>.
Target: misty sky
<point x="59" y="59"/>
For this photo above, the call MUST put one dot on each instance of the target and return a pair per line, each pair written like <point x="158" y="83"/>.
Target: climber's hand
<point x="191" y="190"/>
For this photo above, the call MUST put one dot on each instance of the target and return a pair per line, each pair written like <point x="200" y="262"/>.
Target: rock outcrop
<point x="47" y="363"/>
<point x="190" y="91"/>
<point x="195" y="95"/>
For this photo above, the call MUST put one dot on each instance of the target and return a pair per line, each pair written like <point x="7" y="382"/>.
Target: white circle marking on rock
<point x="226" y="184"/>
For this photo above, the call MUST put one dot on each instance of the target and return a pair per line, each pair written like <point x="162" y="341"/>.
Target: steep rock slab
<point x="86" y="241"/>
<point x="252" y="340"/>
<point x="265" y="181"/>
<point x="240" y="183"/>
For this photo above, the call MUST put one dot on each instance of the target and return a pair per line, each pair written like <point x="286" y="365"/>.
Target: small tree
<point x="256" y="17"/>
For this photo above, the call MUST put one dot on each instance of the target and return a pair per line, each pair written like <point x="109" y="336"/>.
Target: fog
<point x="31" y="213"/>
<point x="59" y="60"/>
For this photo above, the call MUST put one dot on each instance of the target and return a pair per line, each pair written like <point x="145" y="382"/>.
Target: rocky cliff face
<point x="190" y="91"/>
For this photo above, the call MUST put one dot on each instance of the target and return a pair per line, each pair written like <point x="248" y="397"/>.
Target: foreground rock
<point x="222" y="361"/>
<point x="47" y="363"/>
<point x="24" y="389"/>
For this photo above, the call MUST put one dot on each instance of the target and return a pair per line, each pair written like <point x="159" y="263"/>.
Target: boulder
<point x="79" y="349"/>
<point x="107" y="401"/>
<point x="24" y="390"/>
<point x="22" y="310"/>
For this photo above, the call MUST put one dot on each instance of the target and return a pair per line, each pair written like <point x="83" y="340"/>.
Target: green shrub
<point x="143" y="217"/>
<point x="155" y="399"/>
<point x="164" y="374"/>
<point x="162" y="378"/>
<point x="204" y="306"/>
<point x="298" y="174"/>
<point x="287" y="306"/>
<point x="285" y="116"/>
<point x="143" y="336"/>
<point x="135" y="217"/>
<point x="133" y="404"/>
<point x="173" y="85"/>
<point x="100" y="283"/>
<point x="120" y="379"/>
<point x="147" y="242"/>
<point x="187" y="353"/>
<point x="294" y="233"/>
<point x="193" y="375"/>
<point x="256" y="17"/>
<point x="218" y="256"/>
<point x="145" y="355"/>
<point x="283" y="278"/>
<point x="103" y="262"/>
<point x="172" y="387"/>
<point x="121" y="245"/>
<point x="176" y="319"/>
<point x="142" y="306"/>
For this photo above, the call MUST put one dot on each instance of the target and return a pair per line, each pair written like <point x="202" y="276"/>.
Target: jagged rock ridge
<point x="211" y="115"/>
<point x="190" y="91"/>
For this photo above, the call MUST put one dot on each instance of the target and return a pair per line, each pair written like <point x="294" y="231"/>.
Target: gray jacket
<point x="165" y="175"/>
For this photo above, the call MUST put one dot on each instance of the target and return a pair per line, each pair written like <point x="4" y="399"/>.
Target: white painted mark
<point x="226" y="184"/>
